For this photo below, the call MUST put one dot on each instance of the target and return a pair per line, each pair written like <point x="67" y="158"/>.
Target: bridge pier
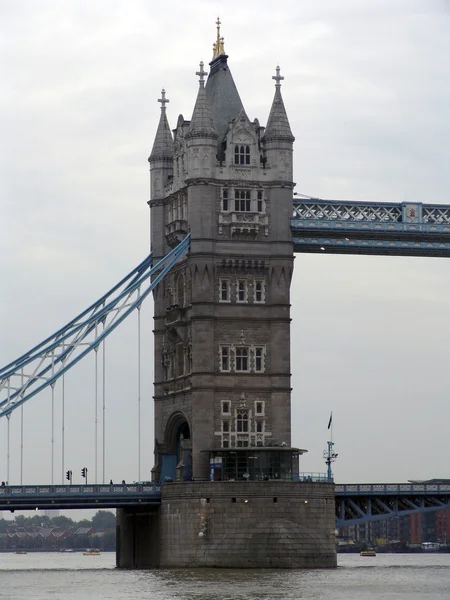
<point x="137" y="538"/>
<point x="254" y="524"/>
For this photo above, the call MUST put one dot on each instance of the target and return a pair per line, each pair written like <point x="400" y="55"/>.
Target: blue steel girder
<point x="361" y="503"/>
<point x="44" y="364"/>
<point x="343" y="227"/>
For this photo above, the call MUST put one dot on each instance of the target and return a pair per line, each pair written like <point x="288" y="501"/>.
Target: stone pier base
<point x="265" y="524"/>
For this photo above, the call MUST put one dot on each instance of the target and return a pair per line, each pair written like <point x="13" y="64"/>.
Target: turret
<point x="161" y="173"/>
<point x="161" y="156"/>
<point x="202" y="135"/>
<point x="278" y="139"/>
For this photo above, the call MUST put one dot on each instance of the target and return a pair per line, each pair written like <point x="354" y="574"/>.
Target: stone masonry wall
<point x="264" y="524"/>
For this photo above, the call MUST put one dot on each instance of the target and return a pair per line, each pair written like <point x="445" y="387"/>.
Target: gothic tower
<point x="222" y="316"/>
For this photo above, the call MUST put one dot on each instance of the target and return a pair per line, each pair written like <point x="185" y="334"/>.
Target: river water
<point x="72" y="576"/>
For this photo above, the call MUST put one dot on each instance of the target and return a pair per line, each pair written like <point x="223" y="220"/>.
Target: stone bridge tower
<point x="222" y="316"/>
<point x="231" y="495"/>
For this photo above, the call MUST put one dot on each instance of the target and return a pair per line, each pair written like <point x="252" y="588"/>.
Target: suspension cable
<point x="139" y="388"/>
<point x="104" y="406"/>
<point x="96" y="414"/>
<point x="72" y="339"/>
<point x="63" y="403"/>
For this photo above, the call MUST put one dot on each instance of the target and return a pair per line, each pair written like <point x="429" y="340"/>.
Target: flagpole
<point x="329" y="454"/>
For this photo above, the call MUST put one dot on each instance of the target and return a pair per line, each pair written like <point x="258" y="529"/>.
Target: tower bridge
<point x="225" y="224"/>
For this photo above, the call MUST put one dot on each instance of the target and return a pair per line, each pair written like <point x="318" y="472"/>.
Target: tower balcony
<point x="176" y="231"/>
<point x="247" y="223"/>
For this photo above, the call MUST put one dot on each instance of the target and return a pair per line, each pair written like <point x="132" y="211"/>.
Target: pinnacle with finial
<point x="219" y="44"/>
<point x="163" y="99"/>
<point x="277" y="77"/>
<point x="202" y="74"/>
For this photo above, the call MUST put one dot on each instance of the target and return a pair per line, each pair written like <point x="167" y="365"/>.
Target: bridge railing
<point x="314" y="477"/>
<point x="39" y="491"/>
<point x="392" y="489"/>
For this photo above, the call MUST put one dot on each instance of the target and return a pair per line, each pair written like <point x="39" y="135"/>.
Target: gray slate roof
<point x="222" y="95"/>
<point x="278" y="124"/>
<point x="202" y="123"/>
<point x="163" y="144"/>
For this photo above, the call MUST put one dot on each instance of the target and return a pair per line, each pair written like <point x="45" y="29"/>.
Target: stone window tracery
<point x="225" y="200"/>
<point x="259" y="201"/>
<point x="224" y="290"/>
<point x="241" y="360"/>
<point x="259" y="291"/>
<point x="242" y="201"/>
<point x="242" y="421"/>
<point x="225" y="358"/>
<point x="242" y="291"/>
<point x="259" y="359"/>
<point x="241" y="154"/>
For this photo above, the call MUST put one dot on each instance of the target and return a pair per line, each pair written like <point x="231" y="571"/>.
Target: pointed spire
<point x="202" y="124"/>
<point x="163" y="144"/>
<point x="278" y="127"/>
<point x="219" y="44"/>
<point x="221" y="90"/>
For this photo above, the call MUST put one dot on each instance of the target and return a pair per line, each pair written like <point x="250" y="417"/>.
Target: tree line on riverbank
<point x="58" y="533"/>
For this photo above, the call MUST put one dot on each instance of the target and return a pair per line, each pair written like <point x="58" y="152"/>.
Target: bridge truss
<point x="374" y="502"/>
<point x="342" y="227"/>
<point x="44" y="364"/>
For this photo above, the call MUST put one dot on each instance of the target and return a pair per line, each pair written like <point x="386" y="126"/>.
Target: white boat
<point x="430" y="546"/>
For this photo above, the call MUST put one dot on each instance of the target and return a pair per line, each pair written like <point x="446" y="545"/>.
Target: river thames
<point x="72" y="576"/>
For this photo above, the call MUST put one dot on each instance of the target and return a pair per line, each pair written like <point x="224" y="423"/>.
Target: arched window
<point x="242" y="421"/>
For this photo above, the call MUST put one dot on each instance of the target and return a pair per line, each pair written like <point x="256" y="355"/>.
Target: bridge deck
<point x="355" y="503"/>
<point x="31" y="497"/>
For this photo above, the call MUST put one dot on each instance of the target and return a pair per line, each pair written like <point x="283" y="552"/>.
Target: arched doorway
<point x="176" y="464"/>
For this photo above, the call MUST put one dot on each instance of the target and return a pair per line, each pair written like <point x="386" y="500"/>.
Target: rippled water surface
<point x="64" y="576"/>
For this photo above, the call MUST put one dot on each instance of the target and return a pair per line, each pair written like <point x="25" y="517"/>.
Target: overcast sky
<point x="367" y="91"/>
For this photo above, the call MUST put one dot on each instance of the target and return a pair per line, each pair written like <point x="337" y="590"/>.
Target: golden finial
<point x="219" y="45"/>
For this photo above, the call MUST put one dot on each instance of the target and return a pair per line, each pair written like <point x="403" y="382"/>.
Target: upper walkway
<point x="343" y="227"/>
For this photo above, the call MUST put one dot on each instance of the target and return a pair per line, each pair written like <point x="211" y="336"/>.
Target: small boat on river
<point x="91" y="552"/>
<point x="368" y="552"/>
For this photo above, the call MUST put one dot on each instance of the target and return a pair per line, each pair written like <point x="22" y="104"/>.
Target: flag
<point x="330" y="421"/>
